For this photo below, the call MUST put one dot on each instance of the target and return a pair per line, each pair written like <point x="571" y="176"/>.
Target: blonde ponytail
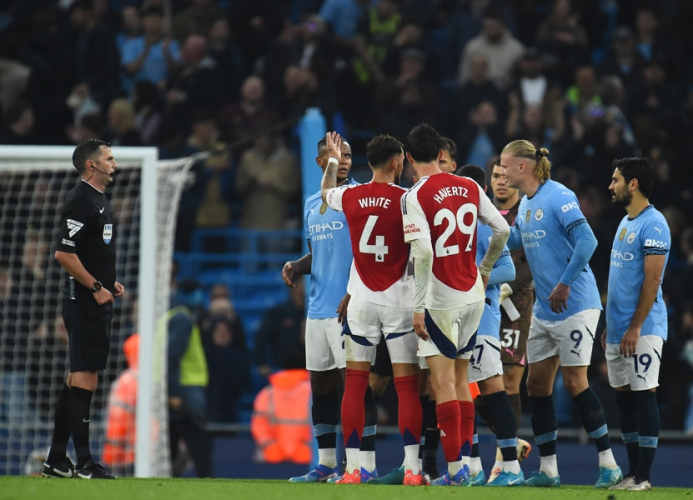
<point x="525" y="149"/>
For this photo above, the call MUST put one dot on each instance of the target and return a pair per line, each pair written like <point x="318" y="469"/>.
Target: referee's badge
<point x="107" y="233"/>
<point x="527" y="216"/>
<point x="623" y="234"/>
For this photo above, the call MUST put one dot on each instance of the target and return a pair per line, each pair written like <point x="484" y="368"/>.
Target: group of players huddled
<point x="448" y="280"/>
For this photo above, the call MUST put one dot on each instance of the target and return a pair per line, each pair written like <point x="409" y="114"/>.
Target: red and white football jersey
<point x="380" y="271"/>
<point x="445" y="208"/>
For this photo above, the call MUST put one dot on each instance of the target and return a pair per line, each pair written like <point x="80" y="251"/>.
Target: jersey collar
<point x="90" y="185"/>
<point x="641" y="212"/>
<point x="538" y="189"/>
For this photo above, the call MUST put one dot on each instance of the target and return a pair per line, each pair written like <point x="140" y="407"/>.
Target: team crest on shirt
<point x="323" y="208"/>
<point x="539" y="214"/>
<point x="631" y="237"/>
<point x="622" y="235"/>
<point x="107" y="233"/>
<point x="527" y="216"/>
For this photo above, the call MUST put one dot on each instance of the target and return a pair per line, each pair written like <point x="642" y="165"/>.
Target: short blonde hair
<point x="525" y="149"/>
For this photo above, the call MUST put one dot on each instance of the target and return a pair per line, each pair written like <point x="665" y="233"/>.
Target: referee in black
<point x="86" y="250"/>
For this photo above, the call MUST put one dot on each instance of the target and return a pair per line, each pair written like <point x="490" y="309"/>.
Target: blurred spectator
<point x="653" y="104"/>
<point x="412" y="68"/>
<point x="476" y="89"/>
<point x="95" y="55"/>
<point x="90" y="126"/>
<point x="411" y="109"/>
<point x="533" y="87"/>
<point x="153" y="56"/>
<point x="19" y="124"/>
<point x="197" y="19"/>
<point x="119" y="449"/>
<point x="561" y="36"/>
<point x="583" y="93"/>
<point x="533" y="128"/>
<point x="357" y="84"/>
<point x="148" y="113"/>
<point x="188" y="378"/>
<point x="624" y="60"/>
<point x="499" y="46"/>
<point x="243" y="120"/>
<point x="120" y="130"/>
<point x="614" y="101"/>
<point x="676" y="378"/>
<point x="281" y="333"/>
<point x="281" y="422"/>
<point x="47" y="364"/>
<point x="197" y="82"/>
<point x="302" y="90"/>
<point x="131" y="23"/>
<point x="228" y="58"/>
<point x="483" y="137"/>
<point x="217" y="179"/>
<point x="267" y="180"/>
<point x="342" y="16"/>
<point x="648" y="36"/>
<point x="229" y="369"/>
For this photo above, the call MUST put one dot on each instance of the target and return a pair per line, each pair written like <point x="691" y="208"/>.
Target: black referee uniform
<point x="88" y="229"/>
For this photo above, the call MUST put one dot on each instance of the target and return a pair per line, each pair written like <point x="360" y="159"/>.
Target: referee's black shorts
<point x="89" y="329"/>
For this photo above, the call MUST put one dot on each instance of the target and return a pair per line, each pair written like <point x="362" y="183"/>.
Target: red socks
<point x="409" y="409"/>
<point x="353" y="410"/>
<point x="466" y="427"/>
<point x="449" y="424"/>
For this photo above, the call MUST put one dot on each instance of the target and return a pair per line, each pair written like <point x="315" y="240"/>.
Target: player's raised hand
<point x="420" y="325"/>
<point x="342" y="309"/>
<point x="288" y="274"/>
<point x="558" y="300"/>
<point x="334" y="145"/>
<point x="119" y="290"/>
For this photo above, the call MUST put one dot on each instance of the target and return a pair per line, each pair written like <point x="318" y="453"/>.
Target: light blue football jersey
<point x="545" y="222"/>
<point x="646" y="234"/>
<point x="327" y="232"/>
<point x="491" y="319"/>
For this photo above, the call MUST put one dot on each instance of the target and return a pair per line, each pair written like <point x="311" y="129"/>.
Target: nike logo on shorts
<point x="101" y="211"/>
<point x="86" y="421"/>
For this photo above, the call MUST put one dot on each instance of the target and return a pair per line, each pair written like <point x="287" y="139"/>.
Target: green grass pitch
<point x="37" y="488"/>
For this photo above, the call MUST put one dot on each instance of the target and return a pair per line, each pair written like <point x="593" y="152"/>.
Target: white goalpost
<point x="145" y="196"/>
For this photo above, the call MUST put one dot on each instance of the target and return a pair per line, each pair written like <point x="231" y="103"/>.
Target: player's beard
<point x="621" y="199"/>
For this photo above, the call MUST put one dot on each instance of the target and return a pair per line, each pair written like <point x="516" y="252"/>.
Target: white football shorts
<point x="571" y="339"/>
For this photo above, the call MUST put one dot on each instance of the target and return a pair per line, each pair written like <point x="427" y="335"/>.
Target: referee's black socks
<point x="78" y="411"/>
<point x="61" y="431"/>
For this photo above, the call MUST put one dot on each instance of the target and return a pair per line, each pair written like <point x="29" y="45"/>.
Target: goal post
<point x="157" y="185"/>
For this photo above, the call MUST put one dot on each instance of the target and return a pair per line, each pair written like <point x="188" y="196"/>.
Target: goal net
<point x="33" y="341"/>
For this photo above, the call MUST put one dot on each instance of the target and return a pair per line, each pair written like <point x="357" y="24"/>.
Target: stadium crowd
<point x="590" y="80"/>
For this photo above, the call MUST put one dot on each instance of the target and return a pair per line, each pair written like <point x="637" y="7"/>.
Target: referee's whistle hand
<point x="103" y="296"/>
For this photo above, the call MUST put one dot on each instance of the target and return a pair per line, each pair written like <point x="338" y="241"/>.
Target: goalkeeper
<point x="86" y="250"/>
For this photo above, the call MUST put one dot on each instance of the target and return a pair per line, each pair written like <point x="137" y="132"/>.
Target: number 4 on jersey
<point x="380" y="248"/>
